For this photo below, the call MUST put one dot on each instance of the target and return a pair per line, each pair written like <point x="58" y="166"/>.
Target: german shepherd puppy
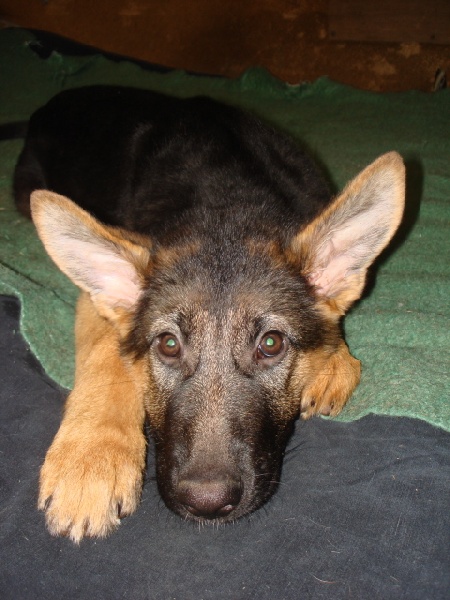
<point x="215" y="268"/>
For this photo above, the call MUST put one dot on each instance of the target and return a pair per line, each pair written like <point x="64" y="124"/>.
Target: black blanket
<point x="362" y="512"/>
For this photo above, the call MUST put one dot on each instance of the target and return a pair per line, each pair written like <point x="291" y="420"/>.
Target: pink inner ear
<point x="101" y="270"/>
<point x="345" y="252"/>
<point x="115" y="279"/>
<point x="344" y="241"/>
<point x="96" y="258"/>
<point x="331" y="269"/>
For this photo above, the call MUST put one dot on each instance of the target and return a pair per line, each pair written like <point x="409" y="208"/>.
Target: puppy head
<point x="233" y="337"/>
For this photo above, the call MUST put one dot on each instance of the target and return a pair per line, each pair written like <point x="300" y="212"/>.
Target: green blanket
<point x="400" y="330"/>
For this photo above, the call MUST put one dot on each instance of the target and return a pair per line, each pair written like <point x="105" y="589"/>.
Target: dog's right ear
<point x="95" y="257"/>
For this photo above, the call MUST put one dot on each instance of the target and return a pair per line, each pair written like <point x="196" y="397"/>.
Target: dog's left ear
<point x="336" y="249"/>
<point x="96" y="257"/>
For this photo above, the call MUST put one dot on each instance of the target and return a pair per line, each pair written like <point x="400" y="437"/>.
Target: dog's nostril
<point x="208" y="513"/>
<point x="209" y="499"/>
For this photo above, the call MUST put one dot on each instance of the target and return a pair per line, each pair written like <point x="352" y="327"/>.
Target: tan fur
<point x="268" y="248"/>
<point x="165" y="258"/>
<point x="331" y="379"/>
<point x="95" y="464"/>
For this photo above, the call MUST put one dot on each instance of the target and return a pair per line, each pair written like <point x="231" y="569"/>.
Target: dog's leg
<point x="92" y="473"/>
<point x="332" y="384"/>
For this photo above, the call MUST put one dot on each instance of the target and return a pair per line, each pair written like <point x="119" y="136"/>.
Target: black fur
<point x="142" y="160"/>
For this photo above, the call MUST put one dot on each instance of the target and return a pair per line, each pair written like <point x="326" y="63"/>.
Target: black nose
<point x="209" y="498"/>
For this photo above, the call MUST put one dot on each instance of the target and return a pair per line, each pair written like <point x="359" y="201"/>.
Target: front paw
<point x="332" y="385"/>
<point x="88" y="484"/>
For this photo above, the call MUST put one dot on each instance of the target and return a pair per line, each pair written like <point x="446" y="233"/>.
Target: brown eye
<point x="169" y="345"/>
<point x="270" y="345"/>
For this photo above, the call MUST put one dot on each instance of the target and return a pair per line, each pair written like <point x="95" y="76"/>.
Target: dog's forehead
<point x="236" y="290"/>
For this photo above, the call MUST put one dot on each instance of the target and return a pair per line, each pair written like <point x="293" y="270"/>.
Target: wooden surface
<point x="391" y="21"/>
<point x="290" y="38"/>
